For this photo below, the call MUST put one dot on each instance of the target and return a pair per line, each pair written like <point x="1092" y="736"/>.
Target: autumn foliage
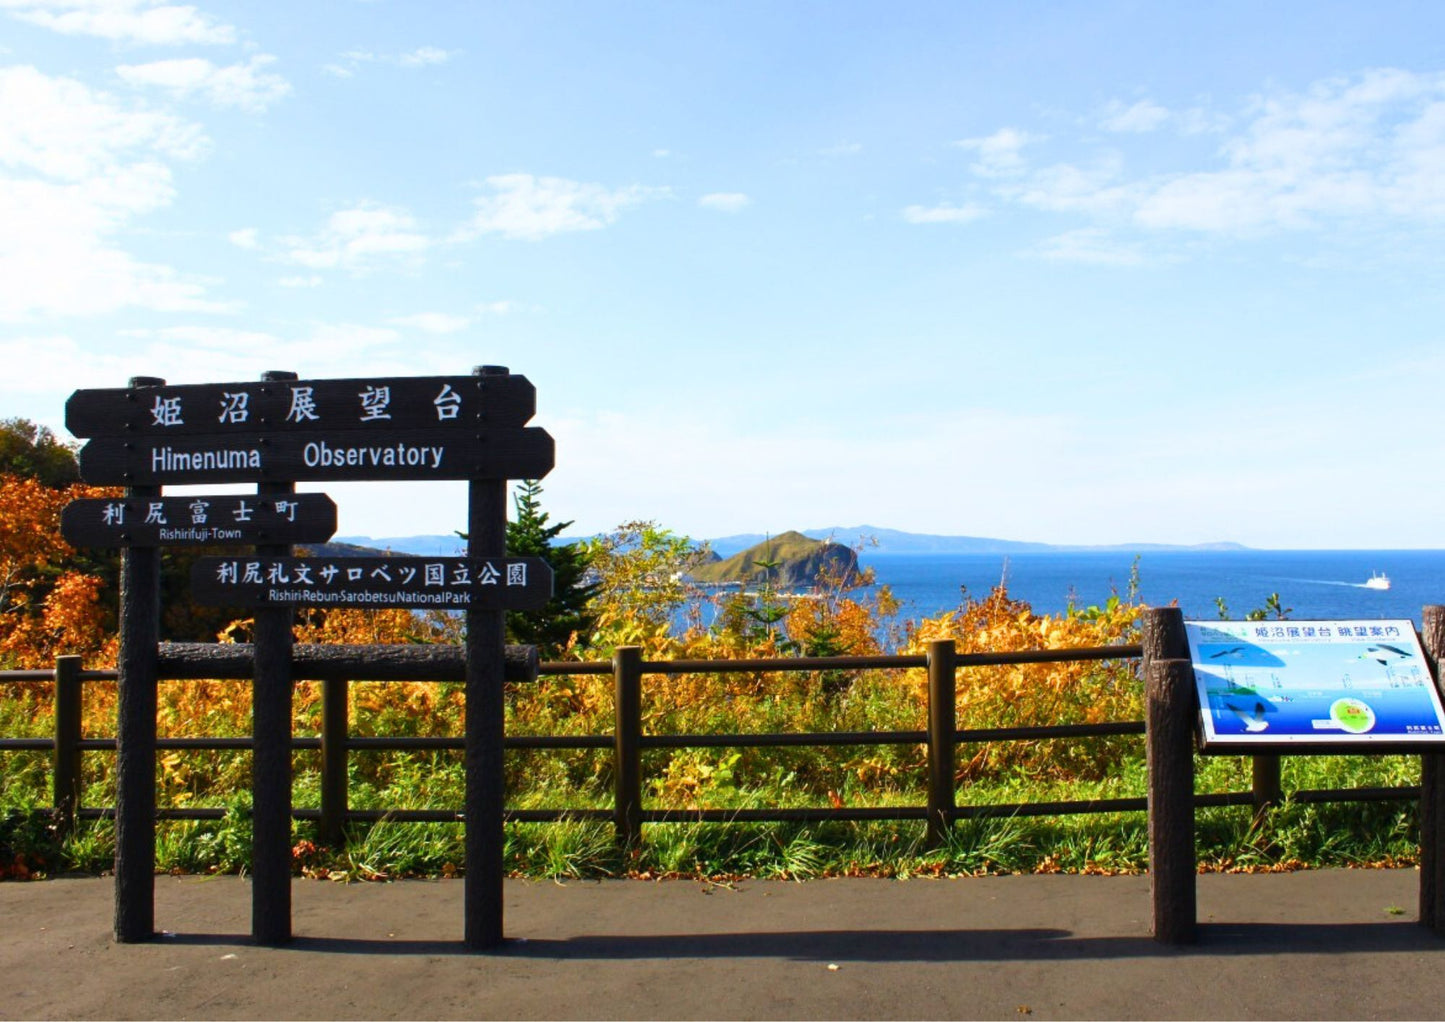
<point x="640" y="596"/>
<point x="48" y="605"/>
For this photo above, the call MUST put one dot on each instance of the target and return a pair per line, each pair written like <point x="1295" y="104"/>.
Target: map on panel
<point x="1313" y="683"/>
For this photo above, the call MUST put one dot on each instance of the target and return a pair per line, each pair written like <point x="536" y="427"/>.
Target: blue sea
<point x="1313" y="584"/>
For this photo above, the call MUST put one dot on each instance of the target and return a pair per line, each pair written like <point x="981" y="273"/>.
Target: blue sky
<point x="1079" y="273"/>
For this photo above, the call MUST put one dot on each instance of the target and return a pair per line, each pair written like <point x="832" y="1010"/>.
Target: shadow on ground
<point x="884" y="946"/>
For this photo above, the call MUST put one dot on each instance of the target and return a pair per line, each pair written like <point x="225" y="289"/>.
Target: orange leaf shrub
<point x="46" y="607"/>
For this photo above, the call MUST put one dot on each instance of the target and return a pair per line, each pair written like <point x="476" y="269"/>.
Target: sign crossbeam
<point x="376" y="405"/>
<point x="525" y="453"/>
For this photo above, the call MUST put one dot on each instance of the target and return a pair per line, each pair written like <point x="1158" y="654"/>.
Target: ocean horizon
<point x="1313" y="584"/>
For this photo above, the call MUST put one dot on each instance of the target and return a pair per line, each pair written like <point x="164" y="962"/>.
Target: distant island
<point x="876" y="542"/>
<point x="795" y="559"/>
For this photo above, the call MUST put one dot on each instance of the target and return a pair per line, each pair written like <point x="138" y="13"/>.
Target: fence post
<point x="627" y="744"/>
<point x="1432" y="792"/>
<point x="67" y="740"/>
<point x="1265" y="785"/>
<point x="1169" y="732"/>
<point x="942" y="731"/>
<point x="1164" y="636"/>
<point x="335" y="725"/>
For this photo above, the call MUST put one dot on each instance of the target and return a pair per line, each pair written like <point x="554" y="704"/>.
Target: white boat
<point x="1378" y="580"/>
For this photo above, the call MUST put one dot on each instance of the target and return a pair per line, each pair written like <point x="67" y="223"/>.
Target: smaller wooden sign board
<point x="385" y="404"/>
<point x="419" y="583"/>
<point x="199" y="520"/>
<point x="1310" y="686"/>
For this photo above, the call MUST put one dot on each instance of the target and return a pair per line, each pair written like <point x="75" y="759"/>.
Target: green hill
<point x="800" y="561"/>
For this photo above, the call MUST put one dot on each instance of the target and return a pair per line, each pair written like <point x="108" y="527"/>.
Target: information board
<point x="1313" y="683"/>
<point x="198" y="520"/>
<point x="442" y="583"/>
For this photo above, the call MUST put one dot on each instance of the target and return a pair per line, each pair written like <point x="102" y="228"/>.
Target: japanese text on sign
<point x="447" y="583"/>
<point x="197" y="520"/>
<point x="422" y="402"/>
<point x="1313" y="683"/>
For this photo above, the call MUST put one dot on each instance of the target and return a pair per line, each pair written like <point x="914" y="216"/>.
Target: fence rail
<point x="335" y="671"/>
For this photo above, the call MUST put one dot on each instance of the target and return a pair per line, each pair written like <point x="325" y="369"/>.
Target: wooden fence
<point x="336" y="667"/>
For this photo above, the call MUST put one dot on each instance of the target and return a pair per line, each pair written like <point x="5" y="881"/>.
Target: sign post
<point x="275" y="433"/>
<point x="271" y="698"/>
<point x="485" y="716"/>
<point x="135" y="786"/>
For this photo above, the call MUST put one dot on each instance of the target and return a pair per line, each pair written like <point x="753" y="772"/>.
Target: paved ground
<point x="1330" y="944"/>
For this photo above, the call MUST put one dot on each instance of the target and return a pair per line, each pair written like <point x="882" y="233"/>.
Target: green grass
<point x="1291" y="834"/>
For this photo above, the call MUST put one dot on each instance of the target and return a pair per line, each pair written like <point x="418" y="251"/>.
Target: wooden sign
<point x="199" y="520"/>
<point x="151" y="460"/>
<point x="442" y="583"/>
<point x="391" y="403"/>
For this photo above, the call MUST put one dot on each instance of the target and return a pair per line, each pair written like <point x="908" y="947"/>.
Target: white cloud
<point x="76" y="167"/>
<point x="354" y="239"/>
<point x="59" y="128"/>
<point x="57" y="364"/>
<point x="1370" y="145"/>
<point x="946" y="213"/>
<point x="661" y="154"/>
<point x="245" y="86"/>
<point x="522" y="206"/>
<point x="1364" y="147"/>
<point x="1065" y="187"/>
<point x="726" y="202"/>
<point x="246" y="237"/>
<point x="1091" y="245"/>
<point x="422" y="56"/>
<point x="432" y="322"/>
<point x="842" y="149"/>
<point x="136" y="21"/>
<point x="311" y="281"/>
<point x="1199" y="121"/>
<point x="222" y="338"/>
<point x="999" y="154"/>
<point x="1143" y="116"/>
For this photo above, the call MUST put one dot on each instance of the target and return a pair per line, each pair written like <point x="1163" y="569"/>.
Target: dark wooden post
<point x="335" y="727"/>
<point x="485" y="720"/>
<point x="271" y="756"/>
<point x="67" y="777"/>
<point x="627" y="744"/>
<point x="1432" y="792"/>
<point x="942" y="732"/>
<point x="1265" y="785"/>
<point x="1164" y="637"/>
<point x="135" y="749"/>
<point x="1169" y="730"/>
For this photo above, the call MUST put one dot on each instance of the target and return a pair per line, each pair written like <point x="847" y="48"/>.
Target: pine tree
<point x="566" y="614"/>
